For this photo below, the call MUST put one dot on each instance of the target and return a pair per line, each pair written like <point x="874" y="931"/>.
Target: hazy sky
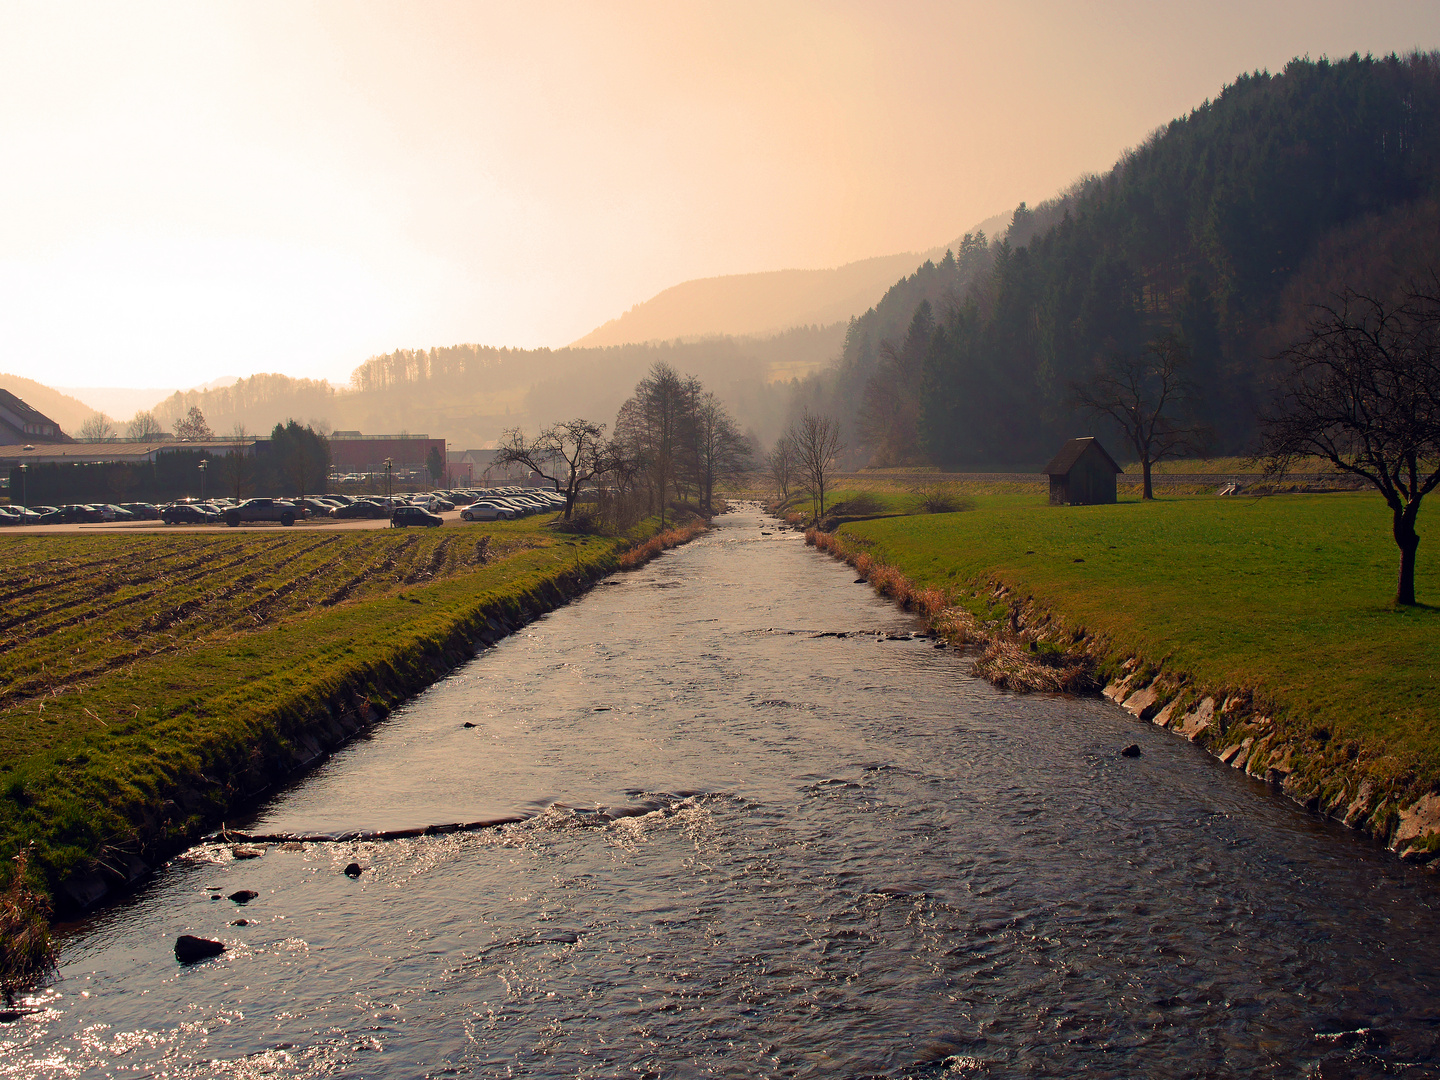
<point x="199" y="189"/>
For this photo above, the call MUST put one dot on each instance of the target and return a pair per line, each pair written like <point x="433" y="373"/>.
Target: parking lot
<point x="337" y="512"/>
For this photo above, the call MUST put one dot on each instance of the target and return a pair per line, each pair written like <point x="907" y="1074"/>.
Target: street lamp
<point x="388" y="465"/>
<point x="23" y="500"/>
<point x="203" y="463"/>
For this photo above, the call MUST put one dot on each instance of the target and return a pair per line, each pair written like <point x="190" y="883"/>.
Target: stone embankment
<point x="1032" y="648"/>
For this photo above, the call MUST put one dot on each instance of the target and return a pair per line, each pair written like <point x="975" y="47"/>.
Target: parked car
<point x="143" y="510"/>
<point x="414" y="515"/>
<point x="71" y="514"/>
<point x="187" y="514"/>
<point x="433" y="503"/>
<point x="362" y="508"/>
<point x="315" y="506"/>
<point x="9" y="515"/>
<point x="111" y="512"/>
<point x="256" y="510"/>
<point x="487" y="511"/>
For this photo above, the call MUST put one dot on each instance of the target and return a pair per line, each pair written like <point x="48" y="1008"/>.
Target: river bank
<point x="1258" y="629"/>
<point x="157" y="686"/>
<point x="767" y="829"/>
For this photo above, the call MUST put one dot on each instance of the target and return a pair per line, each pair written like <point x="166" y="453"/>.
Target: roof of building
<point x="113" y="450"/>
<point x="1064" y="461"/>
<point x="26" y="414"/>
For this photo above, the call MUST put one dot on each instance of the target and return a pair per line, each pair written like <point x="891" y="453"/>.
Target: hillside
<point x="764" y="303"/>
<point x="753" y="304"/>
<point x="1221" y="229"/>
<point x="65" y="410"/>
<point x="469" y="394"/>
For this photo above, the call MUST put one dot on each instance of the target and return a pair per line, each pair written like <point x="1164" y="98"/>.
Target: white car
<point x="487" y="511"/>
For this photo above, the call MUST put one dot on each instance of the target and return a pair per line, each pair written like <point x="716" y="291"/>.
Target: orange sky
<point x="200" y="189"/>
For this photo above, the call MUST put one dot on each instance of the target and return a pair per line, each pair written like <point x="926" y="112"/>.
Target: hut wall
<point x="1091" y="481"/>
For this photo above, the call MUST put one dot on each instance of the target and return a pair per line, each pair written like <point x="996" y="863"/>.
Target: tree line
<point x="674" y="443"/>
<point x="1211" y="239"/>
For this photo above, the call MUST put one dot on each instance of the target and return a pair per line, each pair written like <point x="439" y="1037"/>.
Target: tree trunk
<point x="1145" y="467"/>
<point x="1409" y="541"/>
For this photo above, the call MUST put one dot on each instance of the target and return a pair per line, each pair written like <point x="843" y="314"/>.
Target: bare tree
<point x="816" y="441"/>
<point x="1362" y="391"/>
<point x="721" y="451"/>
<point x="143" y="426"/>
<point x="1147" y="397"/>
<point x="653" y="421"/>
<point x="192" y="426"/>
<point x="780" y="466"/>
<point x="569" y="454"/>
<point x="238" y="466"/>
<point x="98" y="428"/>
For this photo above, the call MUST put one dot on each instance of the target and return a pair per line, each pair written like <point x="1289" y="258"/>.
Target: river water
<point x="766" y="833"/>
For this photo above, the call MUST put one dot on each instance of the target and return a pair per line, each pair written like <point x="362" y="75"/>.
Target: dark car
<point x="257" y="510"/>
<point x="143" y="510"/>
<point x="72" y="514"/>
<point x="361" y="509"/>
<point x="186" y="514"/>
<point x="414" y="515"/>
<point x="315" y="506"/>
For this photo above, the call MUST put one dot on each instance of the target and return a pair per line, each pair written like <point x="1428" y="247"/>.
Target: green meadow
<point x="1287" y="596"/>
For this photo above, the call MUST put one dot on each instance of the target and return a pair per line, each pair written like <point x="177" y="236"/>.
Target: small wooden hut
<point x="1082" y="474"/>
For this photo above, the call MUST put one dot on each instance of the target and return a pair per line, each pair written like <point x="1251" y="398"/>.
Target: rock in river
<point x="244" y="896"/>
<point x="1133" y="750"/>
<point x="189" y="950"/>
<point x="353" y="870"/>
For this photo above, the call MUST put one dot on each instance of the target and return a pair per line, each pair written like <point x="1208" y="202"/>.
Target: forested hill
<point x="1222" y="229"/>
<point x="469" y="394"/>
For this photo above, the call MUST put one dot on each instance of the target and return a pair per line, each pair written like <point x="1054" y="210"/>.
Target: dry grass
<point x="27" y="953"/>
<point x="1018" y="666"/>
<point x="672" y="537"/>
<point x="1010" y="660"/>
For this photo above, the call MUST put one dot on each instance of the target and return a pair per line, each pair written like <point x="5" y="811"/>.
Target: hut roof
<point x="1064" y="461"/>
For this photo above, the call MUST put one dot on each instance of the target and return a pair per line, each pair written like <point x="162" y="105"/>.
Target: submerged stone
<point x="190" y="950"/>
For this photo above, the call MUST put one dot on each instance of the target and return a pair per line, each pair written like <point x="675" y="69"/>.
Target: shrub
<point x="943" y="500"/>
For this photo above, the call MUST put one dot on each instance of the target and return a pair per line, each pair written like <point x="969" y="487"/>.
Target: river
<point x="767" y="833"/>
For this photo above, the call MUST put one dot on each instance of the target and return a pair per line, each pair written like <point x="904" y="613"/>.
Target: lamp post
<point x="23" y="500"/>
<point x="203" y="463"/>
<point x="388" y="465"/>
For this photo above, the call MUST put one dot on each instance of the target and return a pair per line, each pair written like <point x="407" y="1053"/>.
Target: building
<point x="1082" y="474"/>
<point x="21" y="424"/>
<point x="352" y="452"/>
<point x="120" y="451"/>
<point x="117" y="470"/>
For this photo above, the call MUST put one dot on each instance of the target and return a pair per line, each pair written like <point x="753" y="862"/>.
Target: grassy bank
<point x="1280" y="606"/>
<point x="152" y="684"/>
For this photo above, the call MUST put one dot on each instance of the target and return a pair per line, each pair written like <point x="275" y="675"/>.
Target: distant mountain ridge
<point x="767" y="302"/>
